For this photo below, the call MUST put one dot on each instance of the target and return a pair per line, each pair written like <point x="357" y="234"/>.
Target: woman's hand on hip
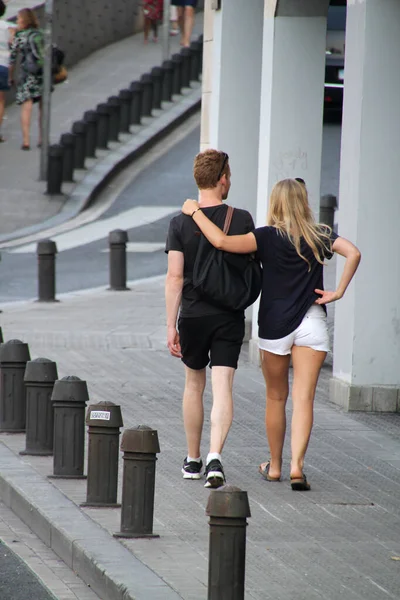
<point x="327" y="296"/>
<point x="189" y="207"/>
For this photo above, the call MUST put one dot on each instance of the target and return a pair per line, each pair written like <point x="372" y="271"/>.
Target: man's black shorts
<point x="214" y="339"/>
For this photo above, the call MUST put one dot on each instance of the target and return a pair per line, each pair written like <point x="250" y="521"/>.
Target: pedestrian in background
<point x="208" y="334"/>
<point x="186" y="16"/>
<point x="6" y="34"/>
<point x="292" y="313"/>
<point x="153" y="13"/>
<point x="28" y="41"/>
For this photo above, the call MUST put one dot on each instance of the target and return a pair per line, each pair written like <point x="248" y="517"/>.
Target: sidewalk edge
<point x="122" y="577"/>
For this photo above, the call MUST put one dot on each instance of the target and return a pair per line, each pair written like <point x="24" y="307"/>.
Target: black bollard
<point x="140" y="446"/>
<point x="46" y="252"/>
<point x="177" y="61"/>
<point x="69" y="399"/>
<point x="167" y="80"/>
<point x="228" y="509"/>
<point x="103" y="126"/>
<point x="186" y="54"/>
<point x="147" y="98"/>
<point x="1" y="336"/>
<point x="114" y="104"/>
<point x="117" y="240"/>
<point x="125" y="97"/>
<point x="196" y="48"/>
<point x="55" y="169"/>
<point x="327" y="207"/>
<point x="40" y="375"/>
<point x="137" y="98"/>
<point x="91" y="118"/>
<point x="68" y="141"/>
<point x="157" y="74"/>
<point x="79" y="128"/>
<point x="104" y="421"/>
<point x="13" y="358"/>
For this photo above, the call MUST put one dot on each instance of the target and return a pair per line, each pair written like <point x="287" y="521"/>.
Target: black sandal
<point x="300" y="484"/>
<point x="25" y="147"/>
<point x="264" y="471"/>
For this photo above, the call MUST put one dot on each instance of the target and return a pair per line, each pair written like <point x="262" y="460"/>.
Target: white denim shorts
<point x="312" y="332"/>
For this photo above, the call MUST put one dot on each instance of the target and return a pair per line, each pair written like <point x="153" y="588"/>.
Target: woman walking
<point x="292" y="314"/>
<point x="28" y="42"/>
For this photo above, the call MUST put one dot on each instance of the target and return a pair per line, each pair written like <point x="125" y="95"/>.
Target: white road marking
<point x="135" y="217"/>
<point x="142" y="247"/>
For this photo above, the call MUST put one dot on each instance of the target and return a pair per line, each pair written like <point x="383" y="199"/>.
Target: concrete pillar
<point x="366" y="374"/>
<point x="292" y="89"/>
<point x="231" y="91"/>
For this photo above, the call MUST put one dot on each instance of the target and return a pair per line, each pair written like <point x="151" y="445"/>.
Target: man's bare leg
<point x="221" y="421"/>
<point x="193" y="412"/>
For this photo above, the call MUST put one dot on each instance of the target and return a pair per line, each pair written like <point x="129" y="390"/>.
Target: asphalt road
<point x="160" y="187"/>
<point x="17" y="581"/>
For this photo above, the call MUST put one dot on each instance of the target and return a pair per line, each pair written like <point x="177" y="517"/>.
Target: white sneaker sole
<point x="190" y="475"/>
<point x="215" y="479"/>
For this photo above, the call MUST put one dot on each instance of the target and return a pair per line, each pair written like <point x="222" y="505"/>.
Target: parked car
<point x="334" y="63"/>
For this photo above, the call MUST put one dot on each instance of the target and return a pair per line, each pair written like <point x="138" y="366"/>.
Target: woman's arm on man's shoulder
<point x="239" y="244"/>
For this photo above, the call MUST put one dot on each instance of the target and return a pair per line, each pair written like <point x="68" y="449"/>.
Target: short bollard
<point x="46" y="253"/>
<point x="104" y="421"/>
<point x="90" y="117"/>
<point x="327" y="207"/>
<point x="79" y="128"/>
<point x="114" y="104"/>
<point x="55" y="169"/>
<point x="13" y="358"/>
<point x="68" y="141"/>
<point x="177" y="61"/>
<point x="103" y="125"/>
<point x="117" y="240"/>
<point x="167" y="80"/>
<point x="1" y="336"/>
<point x="195" y="63"/>
<point x="140" y="447"/>
<point x="186" y="54"/>
<point x="228" y="509"/>
<point x="125" y="98"/>
<point x="69" y="399"/>
<point x="40" y="375"/>
<point x="137" y="99"/>
<point x="157" y="74"/>
<point x="147" y="98"/>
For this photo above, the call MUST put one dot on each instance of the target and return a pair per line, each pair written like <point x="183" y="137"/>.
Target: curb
<point x="149" y="134"/>
<point x="102" y="562"/>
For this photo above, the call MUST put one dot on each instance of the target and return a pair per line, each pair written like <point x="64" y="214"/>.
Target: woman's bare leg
<point x="26" y="115"/>
<point x="146" y="30"/>
<point x="2" y="106"/>
<point x="307" y="364"/>
<point x="275" y="369"/>
<point x="188" y="23"/>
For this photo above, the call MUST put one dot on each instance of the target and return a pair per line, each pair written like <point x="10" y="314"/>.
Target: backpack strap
<point x="228" y="220"/>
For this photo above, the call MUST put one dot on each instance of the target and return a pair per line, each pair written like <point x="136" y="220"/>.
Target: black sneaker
<point x="214" y="474"/>
<point x="192" y="469"/>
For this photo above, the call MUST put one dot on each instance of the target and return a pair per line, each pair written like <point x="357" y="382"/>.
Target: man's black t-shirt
<point x="288" y="286"/>
<point x="184" y="236"/>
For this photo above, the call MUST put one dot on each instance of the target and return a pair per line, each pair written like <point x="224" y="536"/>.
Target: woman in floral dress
<point x="153" y="12"/>
<point x="29" y="85"/>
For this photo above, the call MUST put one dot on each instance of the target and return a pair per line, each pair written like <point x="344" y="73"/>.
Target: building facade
<point x="263" y="86"/>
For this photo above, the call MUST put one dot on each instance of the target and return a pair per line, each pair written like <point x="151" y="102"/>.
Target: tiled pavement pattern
<point x="341" y="540"/>
<point x="55" y="575"/>
<point x="93" y="80"/>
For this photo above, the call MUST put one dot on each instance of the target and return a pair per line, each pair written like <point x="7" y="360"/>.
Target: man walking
<point x="208" y="334"/>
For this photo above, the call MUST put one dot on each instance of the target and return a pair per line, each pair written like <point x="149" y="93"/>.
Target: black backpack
<point x="230" y="281"/>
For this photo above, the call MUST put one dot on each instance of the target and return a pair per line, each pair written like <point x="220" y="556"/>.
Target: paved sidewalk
<point x="341" y="540"/>
<point x="102" y="74"/>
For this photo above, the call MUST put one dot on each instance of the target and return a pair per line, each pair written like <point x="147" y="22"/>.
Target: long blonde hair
<point x="290" y="212"/>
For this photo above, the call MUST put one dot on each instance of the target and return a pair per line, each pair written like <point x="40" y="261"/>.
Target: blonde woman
<point x="292" y="314"/>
